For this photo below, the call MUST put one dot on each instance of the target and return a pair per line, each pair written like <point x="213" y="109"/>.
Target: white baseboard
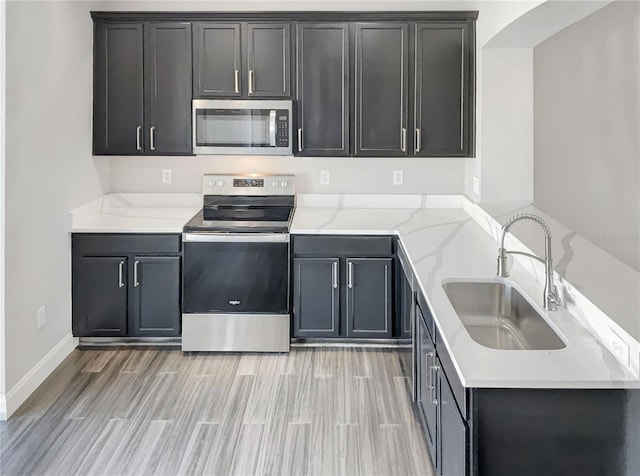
<point x="15" y="397"/>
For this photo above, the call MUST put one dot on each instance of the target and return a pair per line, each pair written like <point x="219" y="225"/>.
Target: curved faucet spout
<point x="551" y="299"/>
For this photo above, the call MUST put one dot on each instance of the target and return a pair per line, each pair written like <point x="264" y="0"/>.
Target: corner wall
<point x="49" y="171"/>
<point x="587" y="123"/>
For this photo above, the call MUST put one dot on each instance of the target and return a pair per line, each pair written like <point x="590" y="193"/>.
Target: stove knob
<point x="212" y="183"/>
<point x="284" y="184"/>
<point x="275" y="184"/>
<point x="220" y="183"/>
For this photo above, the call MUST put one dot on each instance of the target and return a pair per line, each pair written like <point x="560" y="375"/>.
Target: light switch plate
<point x="398" y="177"/>
<point x="42" y="317"/>
<point x="325" y="177"/>
<point x="166" y="176"/>
<point x="476" y="185"/>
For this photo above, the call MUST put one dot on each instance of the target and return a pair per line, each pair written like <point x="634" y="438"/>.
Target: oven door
<point x="235" y="273"/>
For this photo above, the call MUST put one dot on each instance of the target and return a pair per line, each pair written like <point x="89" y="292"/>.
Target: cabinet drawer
<point x="124" y="243"/>
<point x="343" y="245"/>
<point x="459" y="392"/>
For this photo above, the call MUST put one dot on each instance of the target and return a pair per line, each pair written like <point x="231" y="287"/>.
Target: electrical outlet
<point x="398" y="177"/>
<point x="619" y="348"/>
<point x="166" y="176"/>
<point x="476" y="185"/>
<point x="325" y="177"/>
<point x="42" y="317"/>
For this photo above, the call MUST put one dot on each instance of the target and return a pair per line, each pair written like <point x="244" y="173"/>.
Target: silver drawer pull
<point x="251" y="81"/>
<point x="300" y="140"/>
<point x="138" y="140"/>
<point x="135" y="274"/>
<point x="418" y="139"/>
<point x="152" y="133"/>
<point x="403" y="139"/>
<point x="120" y="274"/>
<point x="335" y="274"/>
<point x="350" y="277"/>
<point x="236" y="79"/>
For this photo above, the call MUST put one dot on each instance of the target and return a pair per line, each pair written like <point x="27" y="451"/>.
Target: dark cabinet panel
<point x="442" y="90"/>
<point x="406" y="306"/>
<point x="217" y="58"/>
<point x="168" y="87"/>
<point x="269" y="59"/>
<point x="323" y="89"/>
<point x="100" y="296"/>
<point x="118" y="119"/>
<point x="381" y="100"/>
<point x="452" y="445"/>
<point x="156" y="284"/>
<point x="426" y="358"/>
<point x="316" y="297"/>
<point x="369" y="297"/>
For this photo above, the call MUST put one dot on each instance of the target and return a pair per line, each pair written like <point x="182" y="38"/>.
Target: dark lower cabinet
<point x="126" y="285"/>
<point x="452" y="431"/>
<point x="337" y="294"/>
<point x="369" y="298"/>
<point x="156" y="296"/>
<point x="100" y="296"/>
<point x="322" y="89"/>
<point x="316" y="303"/>
<point x="426" y="394"/>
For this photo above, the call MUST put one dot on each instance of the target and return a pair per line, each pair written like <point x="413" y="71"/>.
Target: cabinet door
<point x="426" y="389"/>
<point x="452" y="445"/>
<point x="217" y="60"/>
<point x="156" y="296"/>
<point x="407" y="306"/>
<point x="118" y="114"/>
<point x="99" y="296"/>
<point x="368" y="297"/>
<point x="168" y="88"/>
<point x="316" y="304"/>
<point x="442" y="90"/>
<point x="381" y="89"/>
<point x="269" y="59"/>
<point x="323" y="89"/>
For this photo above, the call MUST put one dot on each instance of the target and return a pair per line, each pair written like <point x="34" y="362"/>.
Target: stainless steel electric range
<point x="235" y="274"/>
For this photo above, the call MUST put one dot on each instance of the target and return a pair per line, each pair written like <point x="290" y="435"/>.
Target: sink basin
<point x="498" y="316"/>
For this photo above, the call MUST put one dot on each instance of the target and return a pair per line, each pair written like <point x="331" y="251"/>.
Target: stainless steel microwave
<point x="246" y="127"/>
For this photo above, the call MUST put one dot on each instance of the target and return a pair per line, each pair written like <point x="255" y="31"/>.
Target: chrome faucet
<point x="551" y="299"/>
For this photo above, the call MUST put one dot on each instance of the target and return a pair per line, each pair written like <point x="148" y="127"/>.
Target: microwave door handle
<point x="272" y="128"/>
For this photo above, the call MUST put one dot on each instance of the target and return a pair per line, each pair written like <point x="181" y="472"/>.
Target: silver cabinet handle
<point x="300" y="139"/>
<point x="251" y="81"/>
<point x="418" y="138"/>
<point x="237" y="80"/>
<point x="350" y="277"/>
<point x="138" y="140"/>
<point x="430" y="385"/>
<point x="334" y="274"/>
<point x="120" y="274"/>
<point x="135" y="274"/>
<point x="403" y="139"/>
<point x="434" y="398"/>
<point x="152" y="134"/>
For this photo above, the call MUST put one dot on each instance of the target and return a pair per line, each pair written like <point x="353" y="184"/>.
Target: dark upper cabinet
<point x="442" y="101"/>
<point x="369" y="298"/>
<point x="156" y="296"/>
<point x="168" y="87"/>
<point x="242" y="60"/>
<point x="142" y="89"/>
<point x="322" y="91"/>
<point x="99" y="288"/>
<point x="118" y="93"/>
<point x="218" y="60"/>
<point x="316" y="304"/>
<point x="269" y="59"/>
<point x="381" y="83"/>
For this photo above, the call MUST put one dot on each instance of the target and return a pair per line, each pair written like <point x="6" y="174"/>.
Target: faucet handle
<point x="502" y="270"/>
<point x="553" y="297"/>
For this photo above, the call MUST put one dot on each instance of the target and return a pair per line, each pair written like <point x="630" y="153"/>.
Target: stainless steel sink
<point x="496" y="315"/>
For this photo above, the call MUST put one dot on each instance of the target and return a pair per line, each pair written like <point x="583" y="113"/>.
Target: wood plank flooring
<point x="314" y="411"/>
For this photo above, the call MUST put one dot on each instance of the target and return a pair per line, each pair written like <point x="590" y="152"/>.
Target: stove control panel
<point x="250" y="184"/>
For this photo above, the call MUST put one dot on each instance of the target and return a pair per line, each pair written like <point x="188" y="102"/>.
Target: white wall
<point x="3" y="409"/>
<point x="587" y="129"/>
<point x="49" y="171"/>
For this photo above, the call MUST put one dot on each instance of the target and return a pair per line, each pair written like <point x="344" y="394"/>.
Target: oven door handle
<point x="272" y="128"/>
<point x="235" y="237"/>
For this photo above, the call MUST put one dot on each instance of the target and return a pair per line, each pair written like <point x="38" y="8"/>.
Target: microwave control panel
<point x="282" y="128"/>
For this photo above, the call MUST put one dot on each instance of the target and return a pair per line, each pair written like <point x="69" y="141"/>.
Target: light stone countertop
<point x="442" y="241"/>
<point x="445" y="243"/>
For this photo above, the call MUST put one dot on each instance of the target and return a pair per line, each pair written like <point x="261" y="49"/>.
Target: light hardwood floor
<point x="316" y="411"/>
